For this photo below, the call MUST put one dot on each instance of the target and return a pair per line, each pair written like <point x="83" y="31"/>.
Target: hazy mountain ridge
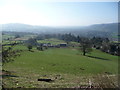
<point x="102" y="30"/>
<point x="23" y="27"/>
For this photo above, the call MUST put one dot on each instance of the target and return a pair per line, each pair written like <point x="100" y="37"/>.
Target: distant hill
<point x="109" y="30"/>
<point x="111" y="27"/>
<point x="18" y="27"/>
<point x="102" y="30"/>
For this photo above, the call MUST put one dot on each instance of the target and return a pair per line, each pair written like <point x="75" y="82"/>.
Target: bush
<point x="40" y="48"/>
<point x="29" y="47"/>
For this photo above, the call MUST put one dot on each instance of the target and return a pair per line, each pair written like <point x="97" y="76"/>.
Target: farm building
<point x="63" y="45"/>
<point x="47" y="45"/>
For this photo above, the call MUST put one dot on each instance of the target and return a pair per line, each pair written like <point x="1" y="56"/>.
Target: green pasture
<point x="52" y="41"/>
<point x="66" y="60"/>
<point x="7" y="36"/>
<point x="13" y="39"/>
<point x="67" y="64"/>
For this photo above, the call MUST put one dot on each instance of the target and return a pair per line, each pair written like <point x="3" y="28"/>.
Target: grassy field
<point x="66" y="66"/>
<point x="7" y="36"/>
<point x="13" y="39"/>
<point x="52" y="41"/>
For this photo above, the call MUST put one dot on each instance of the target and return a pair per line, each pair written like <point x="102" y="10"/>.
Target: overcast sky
<point x="35" y="12"/>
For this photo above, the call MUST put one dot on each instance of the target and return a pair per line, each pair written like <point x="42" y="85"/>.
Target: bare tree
<point x="85" y="46"/>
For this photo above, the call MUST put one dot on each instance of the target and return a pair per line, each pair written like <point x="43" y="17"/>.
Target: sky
<point x="36" y="12"/>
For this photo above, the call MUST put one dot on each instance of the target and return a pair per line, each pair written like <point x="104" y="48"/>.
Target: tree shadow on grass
<point x="97" y="57"/>
<point x="31" y="50"/>
<point x="6" y="74"/>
